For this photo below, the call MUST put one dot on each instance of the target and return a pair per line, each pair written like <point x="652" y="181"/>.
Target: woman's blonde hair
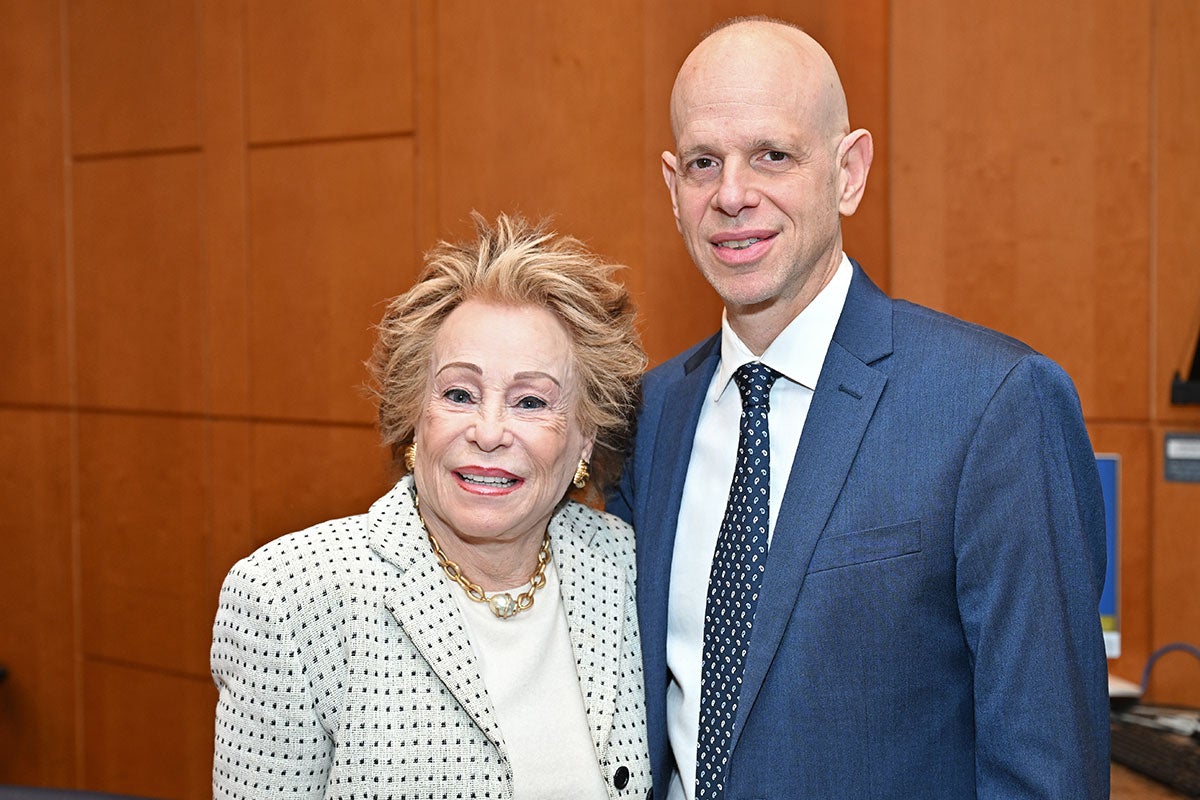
<point x="517" y="263"/>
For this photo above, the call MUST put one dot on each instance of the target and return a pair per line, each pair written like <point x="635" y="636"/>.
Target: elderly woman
<point x="473" y="634"/>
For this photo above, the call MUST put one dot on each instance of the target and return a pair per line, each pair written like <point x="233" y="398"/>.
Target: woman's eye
<point x="457" y="395"/>
<point x="531" y="402"/>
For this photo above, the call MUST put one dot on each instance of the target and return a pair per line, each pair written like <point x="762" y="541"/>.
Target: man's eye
<point x="703" y="162"/>
<point x="775" y="155"/>
<point x="457" y="395"/>
<point x="530" y="402"/>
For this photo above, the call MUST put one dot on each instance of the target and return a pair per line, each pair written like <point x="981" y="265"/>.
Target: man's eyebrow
<point x="756" y="146"/>
<point x="689" y="153"/>
<point x="775" y="144"/>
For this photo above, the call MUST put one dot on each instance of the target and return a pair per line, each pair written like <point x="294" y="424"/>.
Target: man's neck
<point x="758" y="325"/>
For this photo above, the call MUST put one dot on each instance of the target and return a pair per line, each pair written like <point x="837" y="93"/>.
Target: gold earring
<point x="410" y="456"/>
<point x="581" y="474"/>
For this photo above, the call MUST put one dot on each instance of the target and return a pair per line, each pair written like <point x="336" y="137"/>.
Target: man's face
<point x="755" y="184"/>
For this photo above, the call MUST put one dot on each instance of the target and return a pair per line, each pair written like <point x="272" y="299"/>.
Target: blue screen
<point x="1109" y="608"/>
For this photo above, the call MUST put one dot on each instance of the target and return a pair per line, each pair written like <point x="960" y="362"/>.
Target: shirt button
<point x="621" y="777"/>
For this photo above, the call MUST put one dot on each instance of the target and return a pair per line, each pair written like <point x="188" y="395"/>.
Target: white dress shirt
<point x="797" y="354"/>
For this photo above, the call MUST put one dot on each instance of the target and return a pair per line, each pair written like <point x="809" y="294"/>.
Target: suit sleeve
<point x="620" y="498"/>
<point x="620" y="501"/>
<point x="270" y="741"/>
<point x="1030" y="555"/>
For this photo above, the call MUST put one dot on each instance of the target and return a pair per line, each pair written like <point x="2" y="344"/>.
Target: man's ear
<point x="670" y="174"/>
<point x="854" y="162"/>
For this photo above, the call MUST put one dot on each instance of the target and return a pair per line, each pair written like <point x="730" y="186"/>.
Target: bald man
<point x="870" y="537"/>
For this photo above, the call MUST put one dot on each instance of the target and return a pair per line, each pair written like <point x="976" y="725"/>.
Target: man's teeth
<point x="739" y="244"/>
<point x="485" y="480"/>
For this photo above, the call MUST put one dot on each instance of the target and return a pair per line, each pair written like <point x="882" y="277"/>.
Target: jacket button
<point x="621" y="777"/>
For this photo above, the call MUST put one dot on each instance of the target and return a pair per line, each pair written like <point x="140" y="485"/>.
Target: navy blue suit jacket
<point x="928" y="625"/>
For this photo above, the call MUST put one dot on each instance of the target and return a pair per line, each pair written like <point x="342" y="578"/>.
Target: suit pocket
<point x="864" y="547"/>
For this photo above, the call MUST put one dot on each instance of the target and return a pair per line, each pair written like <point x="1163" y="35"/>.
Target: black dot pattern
<point x="738" y="565"/>
<point x="345" y="671"/>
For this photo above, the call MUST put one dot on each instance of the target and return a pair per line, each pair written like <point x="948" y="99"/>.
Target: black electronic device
<point x="1185" y="389"/>
<point x="1161" y="743"/>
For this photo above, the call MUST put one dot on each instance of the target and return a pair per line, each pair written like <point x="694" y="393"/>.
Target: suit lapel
<point x="845" y="399"/>
<point x="595" y="621"/>
<point x="655" y="524"/>
<point x="423" y="604"/>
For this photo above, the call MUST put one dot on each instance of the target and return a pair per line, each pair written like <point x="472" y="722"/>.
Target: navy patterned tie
<point x="737" y="569"/>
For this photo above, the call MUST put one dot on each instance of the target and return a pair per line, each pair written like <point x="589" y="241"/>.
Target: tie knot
<point x="754" y="381"/>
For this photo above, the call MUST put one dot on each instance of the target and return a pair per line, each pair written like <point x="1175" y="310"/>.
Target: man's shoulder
<point x="680" y="364"/>
<point x="936" y="348"/>
<point x="915" y="329"/>
<point x="915" y="322"/>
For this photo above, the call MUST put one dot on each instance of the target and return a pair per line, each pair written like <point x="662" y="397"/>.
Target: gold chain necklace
<point x="502" y="604"/>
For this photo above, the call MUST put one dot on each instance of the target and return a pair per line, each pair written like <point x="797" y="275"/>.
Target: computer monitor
<point x="1110" y="605"/>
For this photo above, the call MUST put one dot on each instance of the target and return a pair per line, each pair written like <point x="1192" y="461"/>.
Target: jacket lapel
<point x="655" y="524"/>
<point x="422" y="603"/>
<point x="845" y="399"/>
<point x="595" y="621"/>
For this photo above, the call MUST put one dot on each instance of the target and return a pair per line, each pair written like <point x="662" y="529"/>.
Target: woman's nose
<point x="490" y="429"/>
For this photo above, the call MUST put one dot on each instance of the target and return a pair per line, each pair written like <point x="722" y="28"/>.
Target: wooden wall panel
<point x="1176" y="565"/>
<point x="1020" y="187"/>
<point x="134" y="75"/>
<point x="148" y="733"/>
<point x="33" y="327"/>
<point x="225" y="224"/>
<point x="229" y="516"/>
<point x="305" y="474"/>
<point x="139" y="284"/>
<point x="1176" y="202"/>
<point x="333" y="240"/>
<point x="540" y="116"/>
<point x="37" y="599"/>
<point x="142" y="533"/>
<point x="325" y="68"/>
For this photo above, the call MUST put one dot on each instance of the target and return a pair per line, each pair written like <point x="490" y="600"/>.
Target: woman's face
<point x="498" y="440"/>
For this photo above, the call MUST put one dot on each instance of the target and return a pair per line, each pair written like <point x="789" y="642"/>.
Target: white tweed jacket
<point x="345" y="671"/>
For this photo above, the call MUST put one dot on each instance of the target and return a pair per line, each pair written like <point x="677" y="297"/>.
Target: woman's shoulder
<point x="322" y="547"/>
<point x="600" y="530"/>
<point x="311" y="550"/>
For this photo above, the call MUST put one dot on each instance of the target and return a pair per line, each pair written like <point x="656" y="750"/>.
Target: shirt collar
<point x="798" y="352"/>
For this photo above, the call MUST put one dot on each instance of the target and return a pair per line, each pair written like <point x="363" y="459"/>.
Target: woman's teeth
<point x="487" y="480"/>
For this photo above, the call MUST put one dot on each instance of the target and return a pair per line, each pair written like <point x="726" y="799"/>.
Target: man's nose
<point x="738" y="189"/>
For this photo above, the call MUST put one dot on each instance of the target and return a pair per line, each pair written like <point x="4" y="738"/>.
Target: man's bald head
<point x="764" y="167"/>
<point x="762" y="52"/>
